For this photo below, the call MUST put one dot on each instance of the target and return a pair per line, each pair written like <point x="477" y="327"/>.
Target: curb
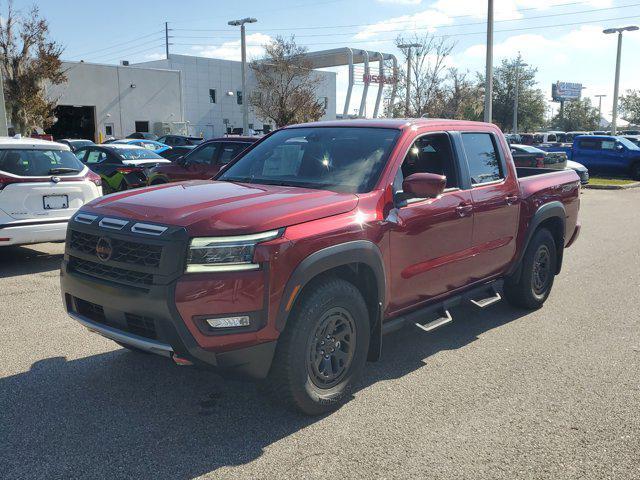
<point x="612" y="187"/>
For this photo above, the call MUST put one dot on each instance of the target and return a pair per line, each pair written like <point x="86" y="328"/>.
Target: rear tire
<point x="537" y="273"/>
<point x="323" y="349"/>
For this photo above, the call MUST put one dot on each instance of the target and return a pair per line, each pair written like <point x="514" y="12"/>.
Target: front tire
<point x="323" y="349"/>
<point x="538" y="271"/>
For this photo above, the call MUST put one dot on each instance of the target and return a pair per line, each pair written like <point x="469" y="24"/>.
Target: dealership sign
<point x="369" y="78"/>
<point x="561" y="91"/>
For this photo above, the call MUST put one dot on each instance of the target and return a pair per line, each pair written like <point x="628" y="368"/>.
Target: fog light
<point x="228" y="322"/>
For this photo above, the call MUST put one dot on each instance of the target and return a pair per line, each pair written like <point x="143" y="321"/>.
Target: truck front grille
<point x="135" y="324"/>
<point x="134" y="253"/>
<point x="107" y="272"/>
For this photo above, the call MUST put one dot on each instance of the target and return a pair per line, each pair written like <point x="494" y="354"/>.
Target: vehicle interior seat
<point x="431" y="154"/>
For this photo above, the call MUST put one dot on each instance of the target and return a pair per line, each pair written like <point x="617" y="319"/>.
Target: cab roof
<point x="396" y="123"/>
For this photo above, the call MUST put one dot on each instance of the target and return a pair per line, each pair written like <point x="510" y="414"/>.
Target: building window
<point x="212" y="95"/>
<point x="239" y="97"/>
<point x="108" y="129"/>
<point x="142" y="127"/>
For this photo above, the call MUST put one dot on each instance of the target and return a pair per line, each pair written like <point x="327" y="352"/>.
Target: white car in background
<point x="42" y="184"/>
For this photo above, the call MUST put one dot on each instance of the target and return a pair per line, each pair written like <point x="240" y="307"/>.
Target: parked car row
<point x="607" y="154"/>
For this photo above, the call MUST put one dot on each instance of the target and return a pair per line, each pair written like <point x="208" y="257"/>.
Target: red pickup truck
<point x="315" y="242"/>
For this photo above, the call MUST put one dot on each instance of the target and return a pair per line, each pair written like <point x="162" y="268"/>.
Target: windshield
<point x="344" y="159"/>
<point x="39" y="163"/>
<point x="628" y="143"/>
<point x="137" y="154"/>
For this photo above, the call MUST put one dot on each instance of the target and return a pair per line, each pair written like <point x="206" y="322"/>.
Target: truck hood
<point x="213" y="208"/>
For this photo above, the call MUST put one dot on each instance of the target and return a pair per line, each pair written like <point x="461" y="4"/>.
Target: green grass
<point x="610" y="181"/>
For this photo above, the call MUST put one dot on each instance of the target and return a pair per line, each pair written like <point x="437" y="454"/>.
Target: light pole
<point x="408" y="46"/>
<point x="243" y="47"/>
<point x="515" y="100"/>
<point x="599" y="97"/>
<point x="614" y="116"/>
<point x="488" y="86"/>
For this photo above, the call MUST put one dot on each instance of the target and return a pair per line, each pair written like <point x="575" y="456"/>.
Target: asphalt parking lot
<point x="500" y="393"/>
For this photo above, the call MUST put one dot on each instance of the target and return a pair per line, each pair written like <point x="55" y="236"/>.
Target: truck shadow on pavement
<point x="129" y="415"/>
<point x="16" y="261"/>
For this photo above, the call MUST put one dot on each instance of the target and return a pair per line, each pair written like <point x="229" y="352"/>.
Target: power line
<point x="440" y="36"/>
<point x="320" y="27"/>
<point x="130" y="54"/>
<point x="333" y="34"/>
<point x="115" y="45"/>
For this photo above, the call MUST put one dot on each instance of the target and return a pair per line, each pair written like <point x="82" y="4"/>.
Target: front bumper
<point x="172" y="336"/>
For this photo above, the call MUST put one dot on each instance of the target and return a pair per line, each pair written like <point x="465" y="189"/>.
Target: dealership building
<point x="213" y="94"/>
<point x="182" y="94"/>
<point x="100" y="101"/>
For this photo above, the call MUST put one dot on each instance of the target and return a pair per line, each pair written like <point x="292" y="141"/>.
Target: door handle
<point x="464" y="209"/>
<point x="511" y="199"/>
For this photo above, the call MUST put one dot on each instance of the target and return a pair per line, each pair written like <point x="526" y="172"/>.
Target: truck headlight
<point x="226" y="254"/>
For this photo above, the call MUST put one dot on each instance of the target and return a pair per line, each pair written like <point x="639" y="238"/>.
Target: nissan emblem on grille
<point x="104" y="250"/>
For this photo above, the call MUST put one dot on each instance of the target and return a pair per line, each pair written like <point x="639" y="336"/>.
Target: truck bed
<point x="540" y="186"/>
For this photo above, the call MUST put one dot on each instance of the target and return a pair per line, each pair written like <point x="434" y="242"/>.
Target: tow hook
<point x="181" y="361"/>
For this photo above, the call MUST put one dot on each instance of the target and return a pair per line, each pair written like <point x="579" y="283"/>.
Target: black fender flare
<point x="549" y="210"/>
<point x="357" y="251"/>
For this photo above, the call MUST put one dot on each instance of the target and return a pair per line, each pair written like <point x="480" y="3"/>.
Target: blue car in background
<point x="148" y="144"/>
<point x="603" y="153"/>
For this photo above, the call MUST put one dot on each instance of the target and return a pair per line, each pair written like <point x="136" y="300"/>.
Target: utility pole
<point x="488" y="87"/>
<point x="614" y="116"/>
<point x="243" y="47"/>
<point x="166" y="39"/>
<point x="408" y="47"/>
<point x="515" y="100"/>
<point x="599" y="97"/>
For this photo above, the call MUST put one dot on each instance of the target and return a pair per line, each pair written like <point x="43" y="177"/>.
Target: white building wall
<point x="122" y="95"/>
<point x="199" y="74"/>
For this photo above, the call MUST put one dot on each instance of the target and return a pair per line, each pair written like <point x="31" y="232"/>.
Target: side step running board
<point x="485" y="302"/>
<point x="438" y="322"/>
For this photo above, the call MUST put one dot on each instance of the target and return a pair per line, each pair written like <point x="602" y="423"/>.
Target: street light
<point x="243" y="48"/>
<point x="488" y="81"/>
<point x="408" y="46"/>
<point x="515" y="100"/>
<point x="600" y="97"/>
<point x="614" y="116"/>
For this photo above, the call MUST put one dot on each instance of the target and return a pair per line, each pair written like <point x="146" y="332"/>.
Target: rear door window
<point x="590" y="144"/>
<point x="39" y="163"/>
<point x="482" y="155"/>
<point x="230" y="151"/>
<point x="95" y="156"/>
<point x="205" y="155"/>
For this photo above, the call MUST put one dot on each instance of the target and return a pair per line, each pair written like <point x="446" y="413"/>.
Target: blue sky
<point x="551" y="34"/>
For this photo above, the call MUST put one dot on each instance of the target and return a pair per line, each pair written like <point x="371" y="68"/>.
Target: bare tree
<point x="428" y="72"/>
<point x="29" y="60"/>
<point x="461" y="97"/>
<point x="286" y="85"/>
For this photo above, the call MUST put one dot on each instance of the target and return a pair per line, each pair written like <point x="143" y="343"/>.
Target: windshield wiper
<point x="59" y="170"/>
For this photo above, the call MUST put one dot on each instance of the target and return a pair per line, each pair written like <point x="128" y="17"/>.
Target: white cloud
<point x="154" y="56"/>
<point x="429" y="19"/>
<point x="231" y="50"/>
<point x="445" y="12"/>
<point x="401" y="2"/>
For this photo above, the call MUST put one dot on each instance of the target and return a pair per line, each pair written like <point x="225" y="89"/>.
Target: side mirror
<point x="619" y="147"/>
<point x="513" y="151"/>
<point x="423" y="185"/>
